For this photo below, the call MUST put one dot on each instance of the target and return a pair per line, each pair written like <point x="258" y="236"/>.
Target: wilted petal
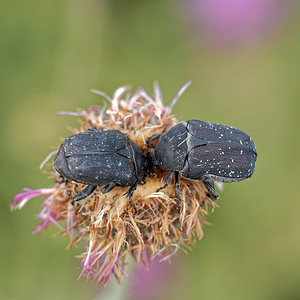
<point x="70" y="113"/>
<point x="45" y="224"/>
<point x="47" y="158"/>
<point x="95" y="91"/>
<point x="179" y="94"/>
<point x="26" y="194"/>
<point x="48" y="217"/>
<point x="117" y="95"/>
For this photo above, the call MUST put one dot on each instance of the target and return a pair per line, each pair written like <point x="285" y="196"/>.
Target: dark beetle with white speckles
<point x="103" y="158"/>
<point x="203" y="150"/>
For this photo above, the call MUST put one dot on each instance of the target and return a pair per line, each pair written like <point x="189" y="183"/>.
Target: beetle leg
<point x="209" y="184"/>
<point x="129" y="194"/>
<point x="86" y="192"/>
<point x="92" y="127"/>
<point x="108" y="188"/>
<point x="153" y="138"/>
<point x="63" y="179"/>
<point x="177" y="190"/>
<point x="166" y="182"/>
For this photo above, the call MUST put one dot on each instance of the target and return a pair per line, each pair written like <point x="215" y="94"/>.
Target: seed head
<point x="107" y="224"/>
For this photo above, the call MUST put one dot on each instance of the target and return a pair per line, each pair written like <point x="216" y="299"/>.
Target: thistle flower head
<point x="108" y="224"/>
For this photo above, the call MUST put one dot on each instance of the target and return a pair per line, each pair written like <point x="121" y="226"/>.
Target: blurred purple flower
<point x="152" y="282"/>
<point x="236" y="21"/>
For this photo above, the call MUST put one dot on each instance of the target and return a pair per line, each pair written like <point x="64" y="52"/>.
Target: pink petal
<point x="70" y="113"/>
<point x="25" y="195"/>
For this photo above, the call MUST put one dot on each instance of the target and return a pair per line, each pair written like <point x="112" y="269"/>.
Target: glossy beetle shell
<point x="196" y="148"/>
<point x="100" y="157"/>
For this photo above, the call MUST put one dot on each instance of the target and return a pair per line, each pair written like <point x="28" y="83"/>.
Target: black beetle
<point x="103" y="158"/>
<point x="203" y="150"/>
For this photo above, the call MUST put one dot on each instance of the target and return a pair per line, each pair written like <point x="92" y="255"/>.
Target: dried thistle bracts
<point x="107" y="223"/>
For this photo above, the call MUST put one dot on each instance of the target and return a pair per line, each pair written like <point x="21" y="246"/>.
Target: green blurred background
<point x="54" y="52"/>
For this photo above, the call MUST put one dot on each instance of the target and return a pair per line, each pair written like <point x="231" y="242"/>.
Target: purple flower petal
<point x="95" y="91"/>
<point x="70" y="113"/>
<point x="26" y="194"/>
<point x="48" y="217"/>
